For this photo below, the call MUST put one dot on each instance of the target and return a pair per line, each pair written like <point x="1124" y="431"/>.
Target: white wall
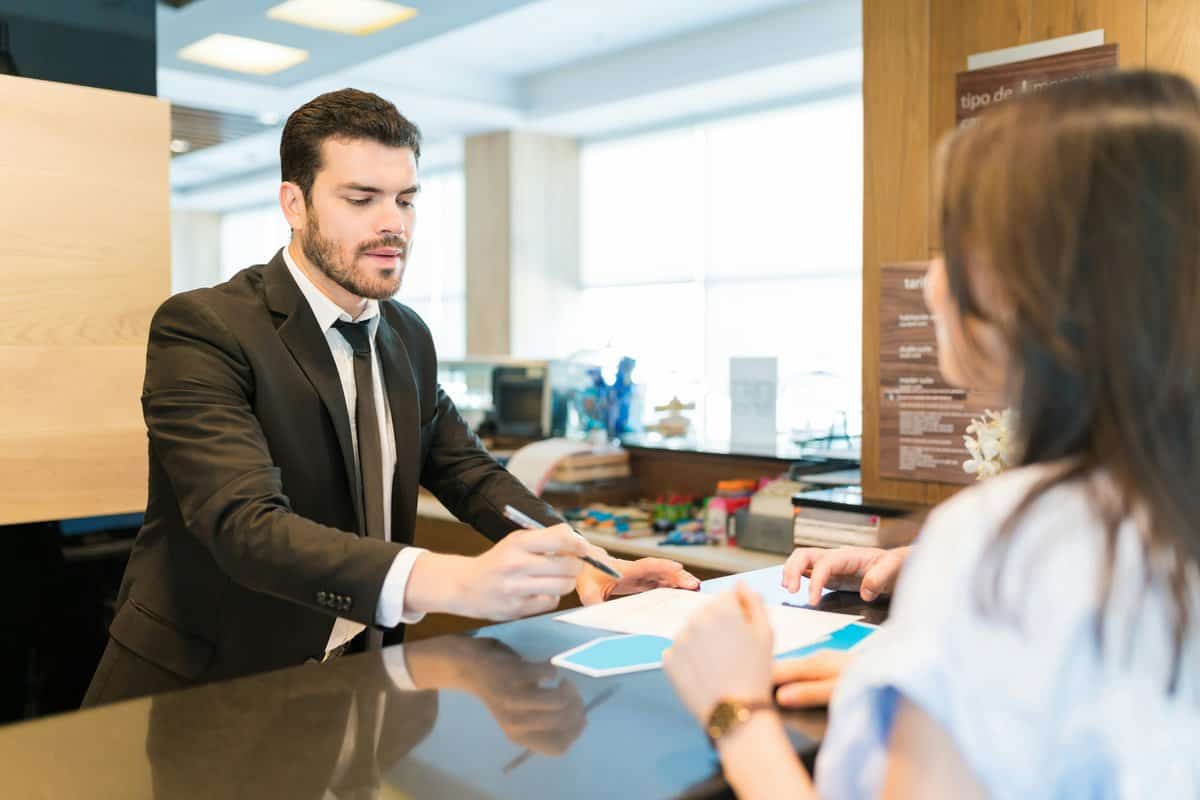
<point x="195" y="249"/>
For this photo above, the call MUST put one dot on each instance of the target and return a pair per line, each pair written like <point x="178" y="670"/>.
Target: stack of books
<point x="588" y="467"/>
<point x="840" y="517"/>
<point x="588" y="477"/>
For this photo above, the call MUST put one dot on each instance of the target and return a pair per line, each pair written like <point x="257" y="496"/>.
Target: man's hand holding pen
<point x="614" y="576"/>
<point x="525" y="573"/>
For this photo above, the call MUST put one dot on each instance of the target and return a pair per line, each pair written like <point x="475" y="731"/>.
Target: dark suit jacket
<point x="250" y="548"/>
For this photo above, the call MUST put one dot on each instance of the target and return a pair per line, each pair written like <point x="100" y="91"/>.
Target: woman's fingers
<point x="818" y="666"/>
<point x="814" y="694"/>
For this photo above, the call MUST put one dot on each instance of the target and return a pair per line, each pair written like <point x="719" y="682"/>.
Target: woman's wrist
<point x="758" y="727"/>
<point x="759" y="761"/>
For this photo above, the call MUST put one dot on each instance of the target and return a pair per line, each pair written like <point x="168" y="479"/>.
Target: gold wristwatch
<point x="729" y="715"/>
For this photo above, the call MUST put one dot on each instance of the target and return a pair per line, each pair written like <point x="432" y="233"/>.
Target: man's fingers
<point x="592" y="592"/>
<point x="812" y="694"/>
<point x="532" y="585"/>
<point x="545" y="566"/>
<point x="558" y="540"/>
<point x="660" y="568"/>
<point x="536" y="604"/>
<point x="663" y="572"/>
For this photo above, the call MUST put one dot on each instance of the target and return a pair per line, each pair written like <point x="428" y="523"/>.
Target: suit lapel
<point x="404" y="401"/>
<point x="307" y="344"/>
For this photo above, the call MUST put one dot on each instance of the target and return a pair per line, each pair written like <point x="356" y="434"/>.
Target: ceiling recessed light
<point x="180" y="145"/>
<point x="358" y="17"/>
<point x="241" y="54"/>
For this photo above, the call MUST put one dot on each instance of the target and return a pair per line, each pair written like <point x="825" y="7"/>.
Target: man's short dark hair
<point x="346" y="114"/>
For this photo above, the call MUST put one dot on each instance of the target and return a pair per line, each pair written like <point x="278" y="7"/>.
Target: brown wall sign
<point x="922" y="419"/>
<point x="980" y="89"/>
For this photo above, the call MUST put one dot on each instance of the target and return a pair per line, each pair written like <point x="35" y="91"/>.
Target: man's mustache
<point x="392" y="242"/>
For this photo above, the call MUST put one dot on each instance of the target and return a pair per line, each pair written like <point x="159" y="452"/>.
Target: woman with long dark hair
<point x="1044" y="640"/>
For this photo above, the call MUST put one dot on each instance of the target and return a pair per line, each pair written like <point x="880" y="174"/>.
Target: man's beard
<point x="324" y="255"/>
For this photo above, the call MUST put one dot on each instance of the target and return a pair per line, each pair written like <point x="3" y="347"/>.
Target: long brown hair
<point x="1078" y="208"/>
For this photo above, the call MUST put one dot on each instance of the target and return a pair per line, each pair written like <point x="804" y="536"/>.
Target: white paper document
<point x="664" y="612"/>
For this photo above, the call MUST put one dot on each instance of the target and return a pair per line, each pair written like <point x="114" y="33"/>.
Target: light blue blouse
<point x="1034" y="705"/>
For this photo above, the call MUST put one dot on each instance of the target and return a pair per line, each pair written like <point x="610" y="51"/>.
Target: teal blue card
<point x="614" y="655"/>
<point x="842" y="639"/>
<point x="617" y="655"/>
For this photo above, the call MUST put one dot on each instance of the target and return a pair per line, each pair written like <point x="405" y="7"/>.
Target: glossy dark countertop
<point x="489" y="717"/>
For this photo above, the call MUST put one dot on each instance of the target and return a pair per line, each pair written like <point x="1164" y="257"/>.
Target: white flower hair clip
<point x="987" y="441"/>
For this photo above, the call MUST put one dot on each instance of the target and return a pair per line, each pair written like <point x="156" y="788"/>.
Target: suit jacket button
<point x="321" y="598"/>
<point x="349" y="603"/>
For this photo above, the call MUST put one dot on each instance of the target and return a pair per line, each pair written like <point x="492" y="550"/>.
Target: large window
<point x="740" y="237"/>
<point x="435" y="279"/>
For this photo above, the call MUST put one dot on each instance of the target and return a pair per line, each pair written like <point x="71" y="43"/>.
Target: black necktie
<point x="366" y="422"/>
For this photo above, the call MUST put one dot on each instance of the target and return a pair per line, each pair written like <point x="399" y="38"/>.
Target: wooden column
<point x="522" y="241"/>
<point x="84" y="261"/>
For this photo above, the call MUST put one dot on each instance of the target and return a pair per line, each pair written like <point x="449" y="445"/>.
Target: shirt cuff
<point x="390" y="611"/>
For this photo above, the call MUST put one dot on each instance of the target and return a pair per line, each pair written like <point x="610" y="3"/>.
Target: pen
<point x="529" y="523"/>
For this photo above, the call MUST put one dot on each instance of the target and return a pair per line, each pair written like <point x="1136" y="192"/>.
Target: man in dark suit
<point x="292" y="413"/>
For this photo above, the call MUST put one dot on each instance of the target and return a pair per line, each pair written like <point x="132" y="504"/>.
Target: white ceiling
<point x="462" y="67"/>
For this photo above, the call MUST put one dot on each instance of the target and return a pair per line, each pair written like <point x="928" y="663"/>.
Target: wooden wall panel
<point x="896" y="147"/>
<point x="67" y="474"/>
<point x="959" y="28"/>
<point x="1173" y="36"/>
<point x="912" y="51"/>
<point x="84" y="261"/>
<point x="1123" y="22"/>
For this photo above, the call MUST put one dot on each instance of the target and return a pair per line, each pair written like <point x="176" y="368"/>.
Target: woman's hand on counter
<point x="869" y="570"/>
<point x="808" y="682"/>
<point x="724" y="652"/>
<point x="636" y="576"/>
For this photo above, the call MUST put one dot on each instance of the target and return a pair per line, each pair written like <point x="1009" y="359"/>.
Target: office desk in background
<point x="710" y="559"/>
<point x="504" y="724"/>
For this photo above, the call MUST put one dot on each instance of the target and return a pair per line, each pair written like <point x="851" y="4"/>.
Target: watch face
<point x="722" y="719"/>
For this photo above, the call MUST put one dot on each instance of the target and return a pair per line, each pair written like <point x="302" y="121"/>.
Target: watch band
<point x="729" y="715"/>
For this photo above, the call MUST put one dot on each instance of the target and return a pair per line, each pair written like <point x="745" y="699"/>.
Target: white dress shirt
<point x="390" y="611"/>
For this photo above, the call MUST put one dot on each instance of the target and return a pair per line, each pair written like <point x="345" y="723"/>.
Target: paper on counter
<point x="766" y="582"/>
<point x="664" y="612"/>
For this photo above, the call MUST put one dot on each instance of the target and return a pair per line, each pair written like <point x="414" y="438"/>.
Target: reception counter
<point x="461" y="716"/>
